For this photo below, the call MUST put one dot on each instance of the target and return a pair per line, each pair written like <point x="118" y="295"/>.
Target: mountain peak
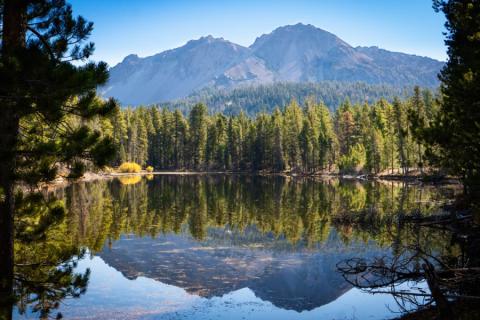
<point x="299" y="27"/>
<point x="295" y="30"/>
<point x="130" y="58"/>
<point x="210" y="40"/>
<point x="300" y="46"/>
<point x="303" y="35"/>
<point x="292" y="53"/>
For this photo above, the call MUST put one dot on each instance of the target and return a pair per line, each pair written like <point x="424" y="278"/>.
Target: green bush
<point x="129" y="167"/>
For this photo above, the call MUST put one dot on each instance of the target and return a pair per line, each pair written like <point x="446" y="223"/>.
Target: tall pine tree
<point x="453" y="137"/>
<point x="41" y="92"/>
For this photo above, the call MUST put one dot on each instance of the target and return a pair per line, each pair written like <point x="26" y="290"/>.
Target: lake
<point x="220" y="246"/>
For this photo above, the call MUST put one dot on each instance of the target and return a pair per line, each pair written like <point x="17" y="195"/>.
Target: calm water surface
<point x="216" y="247"/>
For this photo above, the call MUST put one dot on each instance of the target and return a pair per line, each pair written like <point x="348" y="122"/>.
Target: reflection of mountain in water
<point x="295" y="278"/>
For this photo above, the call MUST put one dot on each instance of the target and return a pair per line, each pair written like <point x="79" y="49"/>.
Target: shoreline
<point x="411" y="179"/>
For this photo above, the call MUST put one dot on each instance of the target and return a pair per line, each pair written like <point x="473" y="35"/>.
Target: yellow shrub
<point x="149" y="169"/>
<point x="129" y="167"/>
<point x="126" y="180"/>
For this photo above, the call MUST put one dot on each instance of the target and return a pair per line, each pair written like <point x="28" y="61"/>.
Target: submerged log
<point x="437" y="294"/>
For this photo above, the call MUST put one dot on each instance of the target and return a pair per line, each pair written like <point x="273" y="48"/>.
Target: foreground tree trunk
<point x="6" y="229"/>
<point x="13" y="42"/>
<point x="8" y="142"/>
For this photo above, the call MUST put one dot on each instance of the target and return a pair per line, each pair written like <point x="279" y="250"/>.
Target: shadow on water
<point x="212" y="235"/>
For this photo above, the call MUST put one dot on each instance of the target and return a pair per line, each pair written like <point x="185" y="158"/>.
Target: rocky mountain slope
<point x="297" y="53"/>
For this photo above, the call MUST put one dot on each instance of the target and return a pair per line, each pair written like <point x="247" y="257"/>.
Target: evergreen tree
<point x="418" y="111"/>
<point x="216" y="140"/>
<point x="180" y="139"/>
<point x="261" y="145"/>
<point x="374" y="150"/>
<point x="278" y="161"/>
<point x="310" y="135"/>
<point x="198" y="134"/>
<point x="120" y="135"/>
<point x="307" y="145"/>
<point x="245" y="140"/>
<point x="293" y="121"/>
<point x="345" y="127"/>
<point x="132" y="135"/>
<point x="453" y="137"/>
<point x="327" y="139"/>
<point x="401" y="131"/>
<point x="166" y="138"/>
<point x="41" y="92"/>
<point x="154" y="139"/>
<point x="141" y="150"/>
<point x="390" y="136"/>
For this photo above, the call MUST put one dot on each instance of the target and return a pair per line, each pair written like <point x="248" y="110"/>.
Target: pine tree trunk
<point x="6" y="245"/>
<point x="13" y="40"/>
<point x="7" y="164"/>
<point x="8" y="136"/>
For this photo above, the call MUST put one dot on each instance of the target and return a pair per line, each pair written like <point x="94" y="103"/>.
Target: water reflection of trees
<point x="45" y="259"/>
<point x="302" y="212"/>
<point x="450" y="271"/>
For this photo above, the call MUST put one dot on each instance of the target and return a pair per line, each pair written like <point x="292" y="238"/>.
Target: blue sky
<point x="146" y="27"/>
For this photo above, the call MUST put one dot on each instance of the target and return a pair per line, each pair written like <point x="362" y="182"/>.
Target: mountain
<point x="296" y="53"/>
<point x="173" y="73"/>
<point x="304" y="53"/>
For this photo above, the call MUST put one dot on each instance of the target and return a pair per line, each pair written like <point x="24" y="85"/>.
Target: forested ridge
<point x="356" y="138"/>
<point x="267" y="97"/>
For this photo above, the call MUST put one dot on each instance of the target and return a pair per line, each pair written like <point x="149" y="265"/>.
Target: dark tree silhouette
<point x="453" y="137"/>
<point x="44" y="101"/>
